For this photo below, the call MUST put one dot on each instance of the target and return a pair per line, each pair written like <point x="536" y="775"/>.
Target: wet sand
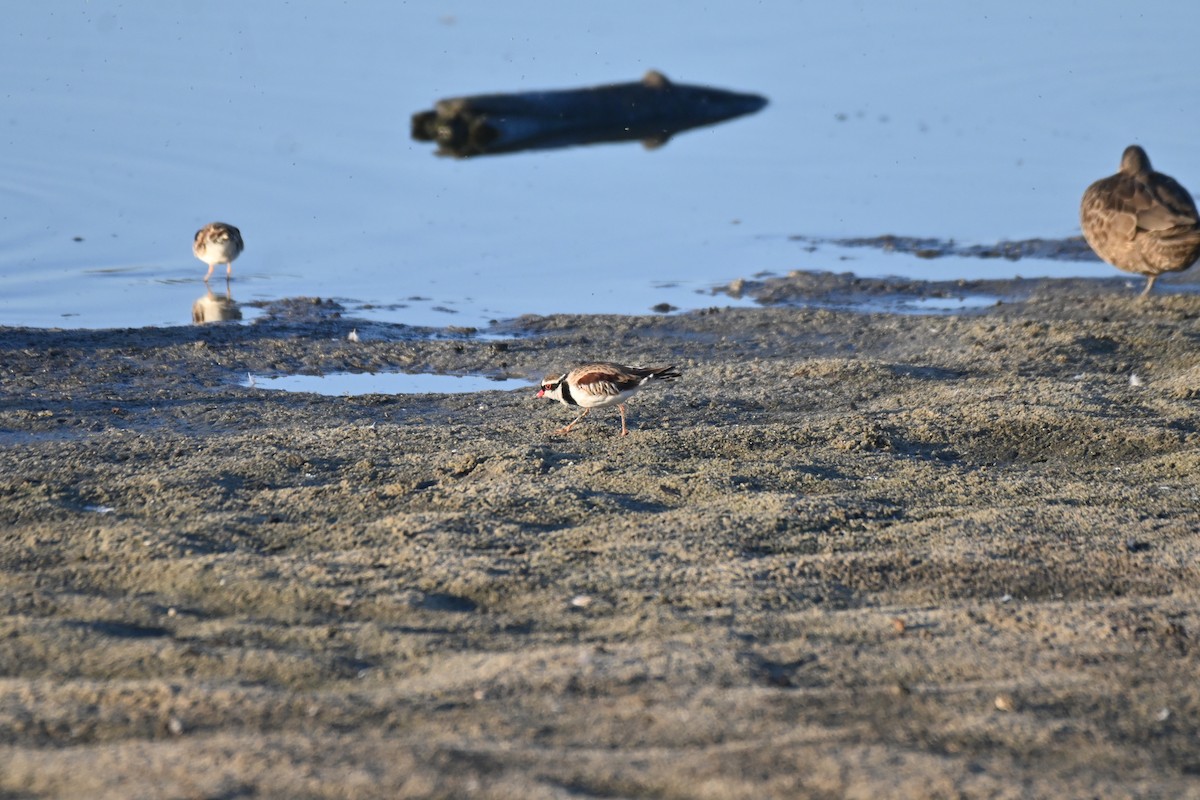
<point x="846" y="555"/>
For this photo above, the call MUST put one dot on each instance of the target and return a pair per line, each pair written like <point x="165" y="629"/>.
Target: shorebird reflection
<point x="213" y="308"/>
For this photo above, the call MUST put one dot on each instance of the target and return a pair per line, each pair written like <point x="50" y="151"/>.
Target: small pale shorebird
<point x="600" y="384"/>
<point x="218" y="243"/>
<point x="1140" y="220"/>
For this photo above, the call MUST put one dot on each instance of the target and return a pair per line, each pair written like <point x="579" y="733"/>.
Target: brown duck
<point x="1140" y="220"/>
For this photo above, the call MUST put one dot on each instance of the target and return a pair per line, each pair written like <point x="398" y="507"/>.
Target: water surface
<point x="357" y="383"/>
<point x="127" y="127"/>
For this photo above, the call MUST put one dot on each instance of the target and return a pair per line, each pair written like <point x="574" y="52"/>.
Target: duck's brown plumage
<point x="1140" y="220"/>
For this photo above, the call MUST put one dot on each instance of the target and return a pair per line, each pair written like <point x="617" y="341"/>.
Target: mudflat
<point x="845" y="555"/>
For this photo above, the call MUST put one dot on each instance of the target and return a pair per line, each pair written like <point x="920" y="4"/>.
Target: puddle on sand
<point x="939" y="305"/>
<point x="342" y="384"/>
<point x="900" y="304"/>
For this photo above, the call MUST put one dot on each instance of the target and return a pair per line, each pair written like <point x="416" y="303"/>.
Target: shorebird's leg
<point x="567" y="428"/>
<point x="209" y="275"/>
<point x="1149" y="285"/>
<point x="624" y="430"/>
<point x="228" y="268"/>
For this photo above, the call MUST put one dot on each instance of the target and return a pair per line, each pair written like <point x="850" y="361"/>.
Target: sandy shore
<point x="846" y="555"/>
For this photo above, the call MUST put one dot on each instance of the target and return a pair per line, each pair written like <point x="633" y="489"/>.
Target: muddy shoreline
<point x="845" y="555"/>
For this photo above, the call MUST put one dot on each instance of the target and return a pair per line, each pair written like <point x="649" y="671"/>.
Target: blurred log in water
<point x="651" y="110"/>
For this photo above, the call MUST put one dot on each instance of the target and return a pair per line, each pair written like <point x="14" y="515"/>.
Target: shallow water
<point x="357" y="383"/>
<point x="128" y="127"/>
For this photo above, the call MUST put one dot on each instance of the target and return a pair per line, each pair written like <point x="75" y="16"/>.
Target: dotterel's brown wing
<point x="606" y="379"/>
